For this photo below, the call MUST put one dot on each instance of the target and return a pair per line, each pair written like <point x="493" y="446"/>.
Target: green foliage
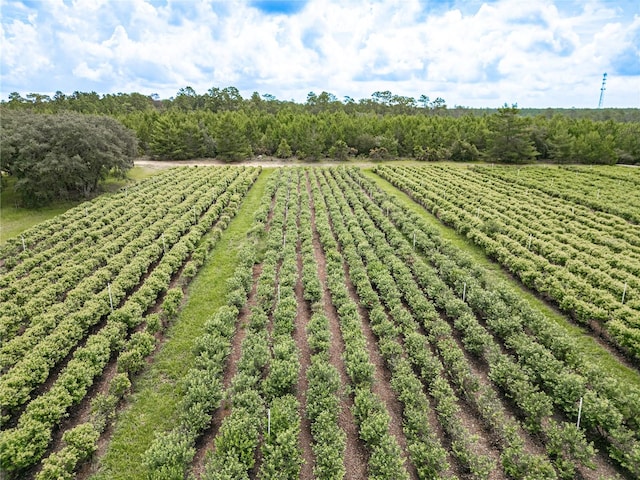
<point x="171" y="303"/>
<point x="179" y="136"/>
<point x="221" y="122"/>
<point x="339" y="150"/>
<point x="232" y="143"/>
<point x="510" y="142"/>
<point x="284" y="150"/>
<point x="81" y="442"/>
<point x="63" y="156"/>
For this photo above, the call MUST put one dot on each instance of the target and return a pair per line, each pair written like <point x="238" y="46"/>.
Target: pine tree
<point x="232" y="144"/>
<point x="509" y="140"/>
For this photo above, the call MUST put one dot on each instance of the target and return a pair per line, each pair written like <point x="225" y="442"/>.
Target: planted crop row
<point x="126" y="262"/>
<point x="386" y="459"/>
<point x="75" y="260"/>
<point x="239" y="434"/>
<point x="610" y="195"/>
<point x="280" y="449"/>
<point x="268" y="368"/>
<point x="24" y="444"/>
<point x="44" y="352"/>
<point x="51" y="237"/>
<point x="557" y="230"/>
<point x="600" y="235"/>
<point x="395" y="282"/>
<point x="613" y="409"/>
<point x="577" y="293"/>
<point x="324" y="386"/>
<point x="427" y="453"/>
<point x="171" y="453"/>
<point x="614" y="172"/>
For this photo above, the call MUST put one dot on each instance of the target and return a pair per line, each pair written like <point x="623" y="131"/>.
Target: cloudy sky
<point x="536" y="53"/>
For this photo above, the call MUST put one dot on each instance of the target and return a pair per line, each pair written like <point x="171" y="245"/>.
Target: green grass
<point x="14" y="220"/>
<point x="587" y="345"/>
<point x="153" y="405"/>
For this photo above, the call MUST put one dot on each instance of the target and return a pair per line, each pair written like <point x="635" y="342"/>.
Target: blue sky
<point x="536" y="53"/>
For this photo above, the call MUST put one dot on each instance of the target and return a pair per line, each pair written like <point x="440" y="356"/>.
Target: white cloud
<point x="95" y="74"/>
<point x="535" y="53"/>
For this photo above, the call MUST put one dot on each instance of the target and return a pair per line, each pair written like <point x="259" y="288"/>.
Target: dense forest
<point x="221" y="123"/>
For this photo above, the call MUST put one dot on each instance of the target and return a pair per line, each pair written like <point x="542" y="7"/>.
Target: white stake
<point x="624" y="292"/>
<point x="24" y="248"/>
<point x="464" y="292"/>
<point x="268" y="422"/>
<point x="579" y="413"/>
<point x="478" y="212"/>
<point x="529" y="242"/>
<point x="414" y="240"/>
<point x="110" y="297"/>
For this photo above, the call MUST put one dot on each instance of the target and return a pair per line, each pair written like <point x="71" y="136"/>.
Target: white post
<point x="24" y="247"/>
<point x="110" y="297"/>
<point x="268" y="422"/>
<point x="414" y="240"/>
<point x="579" y="413"/>
<point x="624" y="292"/>
<point x="464" y="292"/>
<point x="478" y="213"/>
<point x="529" y="242"/>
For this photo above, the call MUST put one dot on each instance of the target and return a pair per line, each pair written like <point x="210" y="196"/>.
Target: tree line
<point x="229" y="98"/>
<point x="505" y="136"/>
<point x="221" y="123"/>
<point x="61" y="146"/>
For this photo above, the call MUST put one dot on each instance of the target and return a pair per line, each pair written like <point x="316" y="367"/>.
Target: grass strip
<point x="584" y="340"/>
<point x="155" y="398"/>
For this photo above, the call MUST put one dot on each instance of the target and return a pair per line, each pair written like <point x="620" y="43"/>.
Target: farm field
<point x="569" y="234"/>
<point x="16" y="220"/>
<point x="352" y="340"/>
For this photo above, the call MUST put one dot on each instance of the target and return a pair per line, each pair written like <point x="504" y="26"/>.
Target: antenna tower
<point x="602" y="89"/>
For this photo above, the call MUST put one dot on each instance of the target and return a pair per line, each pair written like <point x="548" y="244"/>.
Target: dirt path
<point x="259" y="161"/>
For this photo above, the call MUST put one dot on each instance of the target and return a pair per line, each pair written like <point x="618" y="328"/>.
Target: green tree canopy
<point x="510" y="141"/>
<point x="63" y="156"/>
